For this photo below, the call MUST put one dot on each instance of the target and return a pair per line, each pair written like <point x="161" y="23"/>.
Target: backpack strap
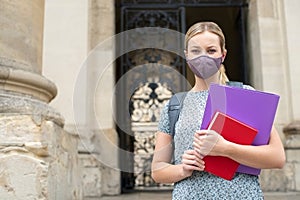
<point x="176" y="102"/>
<point x="235" y="84"/>
<point x="175" y="105"/>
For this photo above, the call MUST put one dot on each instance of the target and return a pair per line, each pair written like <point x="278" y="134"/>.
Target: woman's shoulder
<point x="248" y="87"/>
<point x="239" y="85"/>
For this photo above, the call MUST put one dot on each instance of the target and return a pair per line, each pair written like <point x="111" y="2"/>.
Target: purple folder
<point x="254" y="108"/>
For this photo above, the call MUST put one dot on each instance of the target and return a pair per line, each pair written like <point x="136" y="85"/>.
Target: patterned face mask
<point x="204" y="66"/>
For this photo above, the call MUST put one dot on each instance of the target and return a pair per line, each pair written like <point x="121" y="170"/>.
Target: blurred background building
<point x="80" y="99"/>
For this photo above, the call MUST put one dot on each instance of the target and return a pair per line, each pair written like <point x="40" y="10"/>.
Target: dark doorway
<point x="149" y="76"/>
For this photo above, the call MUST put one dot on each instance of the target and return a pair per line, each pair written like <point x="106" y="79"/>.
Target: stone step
<point x="167" y="195"/>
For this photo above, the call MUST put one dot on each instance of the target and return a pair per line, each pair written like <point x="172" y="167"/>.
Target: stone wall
<point x="288" y="178"/>
<point x="66" y="52"/>
<point x="38" y="158"/>
<point x="292" y="145"/>
<point x="269" y="31"/>
<point x="104" y="156"/>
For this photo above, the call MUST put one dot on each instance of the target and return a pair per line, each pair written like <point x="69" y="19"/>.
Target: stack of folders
<point x="241" y="116"/>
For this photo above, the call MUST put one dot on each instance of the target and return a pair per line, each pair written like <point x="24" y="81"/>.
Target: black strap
<point x="235" y="84"/>
<point x="175" y="106"/>
<point x="176" y="103"/>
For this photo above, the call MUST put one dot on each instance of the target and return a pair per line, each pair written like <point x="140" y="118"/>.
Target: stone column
<point x="268" y="59"/>
<point x="21" y="49"/>
<point x="37" y="157"/>
<point x="100" y="178"/>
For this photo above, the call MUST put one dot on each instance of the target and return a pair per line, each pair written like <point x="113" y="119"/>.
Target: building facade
<point x="81" y="87"/>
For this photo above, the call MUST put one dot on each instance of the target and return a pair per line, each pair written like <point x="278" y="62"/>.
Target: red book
<point x="231" y="130"/>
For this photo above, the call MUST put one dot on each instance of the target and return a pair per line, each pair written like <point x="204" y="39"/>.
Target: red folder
<point x="231" y="130"/>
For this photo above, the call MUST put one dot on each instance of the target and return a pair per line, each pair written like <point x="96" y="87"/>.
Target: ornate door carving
<point x="149" y="77"/>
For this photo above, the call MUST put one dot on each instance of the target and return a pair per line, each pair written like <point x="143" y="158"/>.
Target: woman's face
<point x="205" y="43"/>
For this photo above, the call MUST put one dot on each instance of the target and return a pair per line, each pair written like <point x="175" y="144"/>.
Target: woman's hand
<point x="266" y="156"/>
<point x="209" y="142"/>
<point x="191" y="160"/>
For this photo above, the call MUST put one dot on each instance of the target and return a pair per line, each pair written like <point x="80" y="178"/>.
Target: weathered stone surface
<point x="91" y="176"/>
<point x="13" y="104"/>
<point x="101" y="173"/>
<point x="44" y="166"/>
<point x="64" y="174"/>
<point x="292" y="145"/>
<point x="110" y="181"/>
<point x="290" y="176"/>
<point x="21" y="40"/>
<point x="292" y="135"/>
<point x="22" y="176"/>
<point x="108" y="152"/>
<point x="38" y="159"/>
<point x="273" y="180"/>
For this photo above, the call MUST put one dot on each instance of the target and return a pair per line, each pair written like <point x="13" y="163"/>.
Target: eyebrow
<point x="210" y="46"/>
<point x="198" y="47"/>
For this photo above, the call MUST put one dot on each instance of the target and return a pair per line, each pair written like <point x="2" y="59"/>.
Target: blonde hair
<point x="212" y="27"/>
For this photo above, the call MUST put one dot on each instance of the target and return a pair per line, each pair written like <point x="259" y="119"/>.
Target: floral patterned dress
<point x="203" y="185"/>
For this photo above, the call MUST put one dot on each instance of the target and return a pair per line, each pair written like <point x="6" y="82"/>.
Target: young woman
<point x="205" y="51"/>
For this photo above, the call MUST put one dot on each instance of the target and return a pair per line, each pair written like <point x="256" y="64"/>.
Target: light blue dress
<point x="203" y="185"/>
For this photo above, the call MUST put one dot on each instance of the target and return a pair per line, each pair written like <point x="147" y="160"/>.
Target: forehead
<point x="204" y="39"/>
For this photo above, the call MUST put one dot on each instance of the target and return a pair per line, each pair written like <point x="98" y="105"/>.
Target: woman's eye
<point x="195" y="51"/>
<point x="211" y="51"/>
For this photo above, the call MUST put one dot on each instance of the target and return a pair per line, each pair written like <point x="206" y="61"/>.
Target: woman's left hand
<point x="209" y="142"/>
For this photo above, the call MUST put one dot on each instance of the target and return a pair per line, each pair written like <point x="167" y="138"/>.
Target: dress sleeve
<point x="164" y="123"/>
<point x="248" y="87"/>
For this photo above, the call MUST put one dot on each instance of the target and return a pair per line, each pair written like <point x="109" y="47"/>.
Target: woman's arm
<point x="162" y="169"/>
<point x="265" y="156"/>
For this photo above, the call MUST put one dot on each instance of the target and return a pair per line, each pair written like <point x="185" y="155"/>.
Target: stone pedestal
<point x="292" y="146"/>
<point x="288" y="178"/>
<point x="38" y="158"/>
<point x="100" y="173"/>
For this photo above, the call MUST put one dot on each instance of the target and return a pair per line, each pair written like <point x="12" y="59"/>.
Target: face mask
<point x="204" y="66"/>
